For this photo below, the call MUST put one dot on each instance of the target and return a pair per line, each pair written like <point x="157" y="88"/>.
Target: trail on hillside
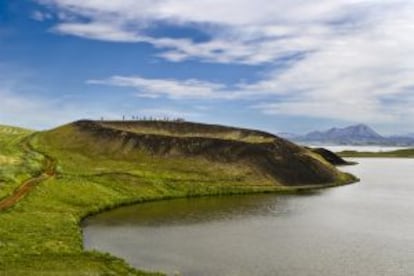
<point x="28" y="185"/>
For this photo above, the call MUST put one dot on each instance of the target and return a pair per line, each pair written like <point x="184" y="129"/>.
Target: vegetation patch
<point x="403" y="153"/>
<point x="17" y="161"/>
<point x="8" y="160"/>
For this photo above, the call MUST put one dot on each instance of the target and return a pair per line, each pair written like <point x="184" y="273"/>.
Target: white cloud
<point x="41" y="16"/>
<point x="98" y="31"/>
<point x="356" y="61"/>
<point x="20" y="109"/>
<point x="238" y="34"/>
<point x="26" y="104"/>
<point x="43" y="113"/>
<point x="353" y="77"/>
<point x="171" y="88"/>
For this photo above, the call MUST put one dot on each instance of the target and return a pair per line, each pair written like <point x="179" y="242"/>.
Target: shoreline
<point x="275" y="191"/>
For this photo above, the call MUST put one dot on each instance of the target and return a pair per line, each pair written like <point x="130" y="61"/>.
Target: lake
<point x="361" y="229"/>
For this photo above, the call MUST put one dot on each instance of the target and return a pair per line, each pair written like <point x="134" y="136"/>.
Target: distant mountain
<point x="353" y="135"/>
<point x="411" y="135"/>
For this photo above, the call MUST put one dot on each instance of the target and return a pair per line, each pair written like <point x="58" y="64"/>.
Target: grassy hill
<point x="89" y="166"/>
<point x="273" y="161"/>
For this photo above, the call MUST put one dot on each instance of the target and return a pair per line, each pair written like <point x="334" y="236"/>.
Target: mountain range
<point x="352" y="135"/>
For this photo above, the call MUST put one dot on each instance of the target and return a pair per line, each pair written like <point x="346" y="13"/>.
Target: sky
<point x="281" y="66"/>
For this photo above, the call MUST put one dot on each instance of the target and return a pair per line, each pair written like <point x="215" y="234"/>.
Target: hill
<point x="89" y="166"/>
<point x="249" y="154"/>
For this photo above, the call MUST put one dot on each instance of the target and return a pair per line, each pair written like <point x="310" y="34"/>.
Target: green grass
<point x="403" y="153"/>
<point x="229" y="135"/>
<point x="17" y="162"/>
<point x="41" y="235"/>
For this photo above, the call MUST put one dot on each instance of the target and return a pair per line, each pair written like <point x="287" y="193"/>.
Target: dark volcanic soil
<point x="331" y="157"/>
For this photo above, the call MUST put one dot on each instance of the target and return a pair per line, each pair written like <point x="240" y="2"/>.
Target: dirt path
<point x="29" y="184"/>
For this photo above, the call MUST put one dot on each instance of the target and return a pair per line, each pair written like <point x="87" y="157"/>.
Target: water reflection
<point x="196" y="210"/>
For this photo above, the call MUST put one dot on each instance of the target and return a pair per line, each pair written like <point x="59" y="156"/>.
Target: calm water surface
<point x="362" y="229"/>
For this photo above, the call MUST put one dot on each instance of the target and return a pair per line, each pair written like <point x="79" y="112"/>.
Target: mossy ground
<point x="41" y="235"/>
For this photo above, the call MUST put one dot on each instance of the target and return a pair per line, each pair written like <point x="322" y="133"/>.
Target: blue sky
<point x="282" y="66"/>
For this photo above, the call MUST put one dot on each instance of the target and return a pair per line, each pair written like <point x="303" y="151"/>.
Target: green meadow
<point x="17" y="161"/>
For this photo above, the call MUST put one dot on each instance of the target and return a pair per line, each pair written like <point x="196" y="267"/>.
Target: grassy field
<point x="41" y="235"/>
<point x="403" y="153"/>
<point x="17" y="162"/>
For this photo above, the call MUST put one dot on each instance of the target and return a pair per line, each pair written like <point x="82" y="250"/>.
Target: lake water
<point x="362" y="229"/>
